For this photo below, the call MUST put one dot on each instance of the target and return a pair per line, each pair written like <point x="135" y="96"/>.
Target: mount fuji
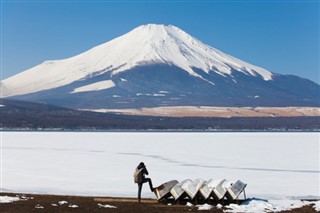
<point x="157" y="65"/>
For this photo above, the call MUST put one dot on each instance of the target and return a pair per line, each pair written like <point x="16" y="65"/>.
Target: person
<point x="140" y="179"/>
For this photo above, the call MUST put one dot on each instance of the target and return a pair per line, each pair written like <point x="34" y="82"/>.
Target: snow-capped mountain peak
<point x="146" y="44"/>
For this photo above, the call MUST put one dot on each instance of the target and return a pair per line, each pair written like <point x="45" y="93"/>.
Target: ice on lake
<point x="274" y="165"/>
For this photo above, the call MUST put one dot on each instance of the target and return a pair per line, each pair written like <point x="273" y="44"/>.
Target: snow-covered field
<point x="276" y="166"/>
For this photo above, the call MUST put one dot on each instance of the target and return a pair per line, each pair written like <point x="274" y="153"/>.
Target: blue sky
<point x="281" y="36"/>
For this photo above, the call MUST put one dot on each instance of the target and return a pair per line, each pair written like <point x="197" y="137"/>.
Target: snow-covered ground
<point x="8" y="199"/>
<point x="276" y="166"/>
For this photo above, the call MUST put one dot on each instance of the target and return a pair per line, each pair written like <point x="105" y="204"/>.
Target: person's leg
<point x="139" y="191"/>
<point x="150" y="183"/>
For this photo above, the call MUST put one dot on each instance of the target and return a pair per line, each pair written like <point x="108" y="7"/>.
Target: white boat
<point x="205" y="191"/>
<point x="193" y="189"/>
<point x="235" y="190"/>
<point x="218" y="190"/>
<point x="177" y="191"/>
<point x="189" y="188"/>
<point x="163" y="190"/>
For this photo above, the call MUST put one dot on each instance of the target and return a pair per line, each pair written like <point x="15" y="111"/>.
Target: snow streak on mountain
<point x="156" y="65"/>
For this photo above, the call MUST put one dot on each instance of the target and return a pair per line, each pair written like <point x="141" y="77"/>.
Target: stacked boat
<point x="199" y="189"/>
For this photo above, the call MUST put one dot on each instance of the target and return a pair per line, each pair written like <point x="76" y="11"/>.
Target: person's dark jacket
<point x="143" y="172"/>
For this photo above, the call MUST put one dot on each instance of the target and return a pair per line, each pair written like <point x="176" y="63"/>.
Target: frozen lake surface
<point x="274" y="165"/>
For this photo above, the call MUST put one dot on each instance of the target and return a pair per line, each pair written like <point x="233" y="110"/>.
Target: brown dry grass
<point x="203" y="111"/>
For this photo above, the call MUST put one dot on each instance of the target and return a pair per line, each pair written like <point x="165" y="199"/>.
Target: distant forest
<point x="33" y="116"/>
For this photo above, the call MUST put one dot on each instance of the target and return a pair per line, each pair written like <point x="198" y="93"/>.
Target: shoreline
<point x="67" y="203"/>
<point x="164" y="130"/>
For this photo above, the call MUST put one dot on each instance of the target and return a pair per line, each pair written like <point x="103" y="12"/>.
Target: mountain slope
<point x="157" y="65"/>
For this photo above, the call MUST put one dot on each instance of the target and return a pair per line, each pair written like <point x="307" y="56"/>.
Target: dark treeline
<point x="27" y="115"/>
